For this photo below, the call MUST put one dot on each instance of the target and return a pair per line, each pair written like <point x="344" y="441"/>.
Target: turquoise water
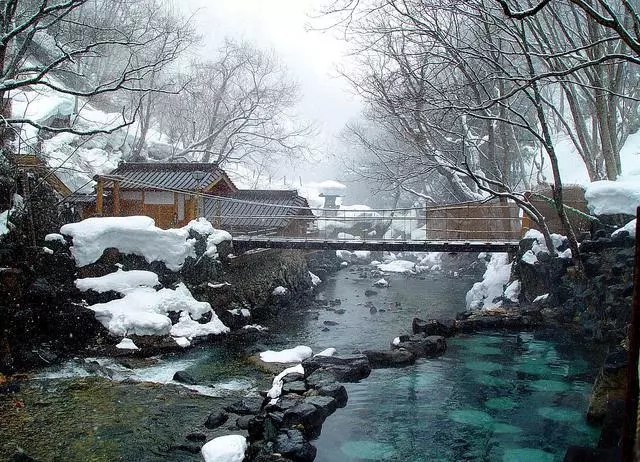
<point x="491" y="397"/>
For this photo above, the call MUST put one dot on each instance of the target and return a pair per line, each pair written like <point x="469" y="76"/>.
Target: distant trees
<point x="238" y="107"/>
<point x="480" y="99"/>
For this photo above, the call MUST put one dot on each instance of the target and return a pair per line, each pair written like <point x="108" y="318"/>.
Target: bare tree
<point x="52" y="44"/>
<point x="237" y="108"/>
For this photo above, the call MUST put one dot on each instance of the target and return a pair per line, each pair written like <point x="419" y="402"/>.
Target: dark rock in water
<point x="246" y="406"/>
<point x="583" y="454"/>
<point x="325" y="329"/>
<point x="422" y="345"/>
<point x="242" y="422"/>
<point x="320" y="378"/>
<point x="340" y="311"/>
<point x="216" y="419"/>
<point x="184" y="377"/>
<point x="370" y="293"/>
<point x="330" y="323"/>
<point x="610" y="384"/>
<point x="335" y="391"/>
<point x="335" y="302"/>
<point x="390" y="358"/>
<point x="444" y="327"/>
<point x="285" y="402"/>
<point x="197" y="437"/>
<point x="298" y="387"/>
<point x="292" y="444"/>
<point x="345" y="368"/>
<point x="497" y="319"/>
<point x="373" y="309"/>
<point x="305" y="414"/>
<point x="326" y="404"/>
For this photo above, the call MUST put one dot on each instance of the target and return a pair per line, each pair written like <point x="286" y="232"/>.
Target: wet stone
<point x="305" y="414"/>
<point x="335" y="391"/>
<point x="326" y="404"/>
<point x="216" y="419"/>
<point x="285" y="402"/>
<point x="246" y="406"/>
<point x="196" y="437"/>
<point x="184" y="377"/>
<point x="293" y="445"/>
<point x="390" y="358"/>
<point x="294" y="387"/>
<point x="242" y="422"/>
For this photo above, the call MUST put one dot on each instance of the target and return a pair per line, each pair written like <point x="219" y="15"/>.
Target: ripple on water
<point x="369" y="450"/>
<point x="502" y="403"/>
<point x="527" y="454"/>
<point x="549" y="385"/>
<point x="533" y="367"/>
<point x="560" y="414"/>
<point x="503" y="428"/>
<point x="471" y="417"/>
<point x="491" y="381"/>
<point x="482" y="366"/>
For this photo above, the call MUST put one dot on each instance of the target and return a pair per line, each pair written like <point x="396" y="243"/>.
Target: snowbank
<point x="629" y="227"/>
<point x="483" y="294"/>
<point x="291" y="355"/>
<point x="315" y="280"/>
<point x="136" y="235"/>
<point x="228" y="448"/>
<point x="276" y="387"/>
<point x="610" y="197"/>
<point x="398" y="266"/>
<point x="120" y="281"/>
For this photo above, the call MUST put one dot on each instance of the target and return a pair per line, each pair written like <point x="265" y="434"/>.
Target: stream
<point x="490" y="397"/>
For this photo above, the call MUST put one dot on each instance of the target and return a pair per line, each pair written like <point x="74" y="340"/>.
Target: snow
<point x="381" y="283"/>
<point x="344" y="255"/>
<point x="54" y="237"/>
<point x="398" y="266"/>
<point x="539" y="245"/>
<point x="291" y="355"/>
<point x="144" y="311"/>
<point x="327" y="352"/>
<point x="182" y="341"/>
<point x="512" y="292"/>
<point x="629" y="227"/>
<point x="362" y="254"/>
<point x="396" y="341"/>
<point x="529" y="257"/>
<point x="540" y="298"/>
<point x="346" y="236"/>
<point x="127" y="344"/>
<point x="4" y="219"/>
<point x="47" y="250"/>
<point x="315" y="280"/>
<point x="228" y="448"/>
<point x="610" y="197"/>
<point x="120" y="281"/>
<point x="200" y="225"/>
<point x="279" y="291"/>
<point x="92" y="236"/>
<point x="498" y="272"/>
<point x="331" y="187"/>
<point x="276" y="388"/>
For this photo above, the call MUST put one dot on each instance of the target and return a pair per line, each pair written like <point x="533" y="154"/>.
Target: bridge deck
<point x="245" y="242"/>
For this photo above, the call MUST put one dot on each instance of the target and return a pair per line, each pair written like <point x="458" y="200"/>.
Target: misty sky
<point x="311" y="57"/>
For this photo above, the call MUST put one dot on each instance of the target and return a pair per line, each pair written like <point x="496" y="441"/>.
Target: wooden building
<point x="281" y="212"/>
<point x="175" y="193"/>
<point x="167" y="192"/>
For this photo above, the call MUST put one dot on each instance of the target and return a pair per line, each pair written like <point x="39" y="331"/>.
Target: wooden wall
<point x="573" y="197"/>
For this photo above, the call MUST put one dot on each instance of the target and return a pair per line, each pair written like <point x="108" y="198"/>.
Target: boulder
<point x="345" y="368"/>
<point x="421" y="345"/>
<point x="298" y="387"/>
<point x="216" y="419"/>
<point x="246" y="406"/>
<point x="292" y="445"/>
<point x="335" y="391"/>
<point x="305" y="414"/>
<point x="184" y="377"/>
<point x="390" y="358"/>
<point x="325" y="404"/>
<point x="609" y="385"/>
<point x="444" y="327"/>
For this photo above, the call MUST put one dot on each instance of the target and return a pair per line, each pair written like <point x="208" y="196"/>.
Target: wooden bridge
<point x="460" y="228"/>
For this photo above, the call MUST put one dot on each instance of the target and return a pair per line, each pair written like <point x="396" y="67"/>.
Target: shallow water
<point x="491" y="397"/>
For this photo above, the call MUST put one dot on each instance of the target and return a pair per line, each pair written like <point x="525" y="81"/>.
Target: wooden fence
<point x="474" y="221"/>
<point x="573" y="197"/>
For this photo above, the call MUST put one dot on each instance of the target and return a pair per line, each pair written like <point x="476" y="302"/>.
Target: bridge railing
<point x="461" y="222"/>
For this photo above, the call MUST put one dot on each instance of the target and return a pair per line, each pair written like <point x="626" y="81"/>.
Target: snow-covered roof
<point x="331" y="188"/>
<point x="189" y="176"/>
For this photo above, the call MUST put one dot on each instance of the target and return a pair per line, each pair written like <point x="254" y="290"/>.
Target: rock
<point x="326" y="404"/>
<point x="390" y="358"/>
<point x="305" y="414"/>
<point x="216" y="419"/>
<point x="345" y="368"/>
<point x="191" y="448"/>
<point x="444" y="327"/>
<point x="335" y="391"/>
<point x="20" y="456"/>
<point x="246" y="406"/>
<point x="298" y="387"/>
<point x="292" y="445"/>
<point x="612" y="425"/>
<point x="583" y="454"/>
<point x="609" y="385"/>
<point x="370" y="293"/>
<point x="184" y="377"/>
<point x="340" y="311"/>
<point x="242" y="422"/>
<point x="285" y="402"/>
<point x="422" y="345"/>
<point x="330" y="323"/>
<point x="320" y="378"/>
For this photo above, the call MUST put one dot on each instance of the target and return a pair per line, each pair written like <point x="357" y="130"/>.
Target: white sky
<point x="311" y="57"/>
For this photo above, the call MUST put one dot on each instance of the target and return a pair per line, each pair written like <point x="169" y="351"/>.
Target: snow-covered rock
<point x="228" y="448"/>
<point x="496" y="276"/>
<point x="398" y="266"/>
<point x="290" y="355"/>
<point x="612" y="197"/>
